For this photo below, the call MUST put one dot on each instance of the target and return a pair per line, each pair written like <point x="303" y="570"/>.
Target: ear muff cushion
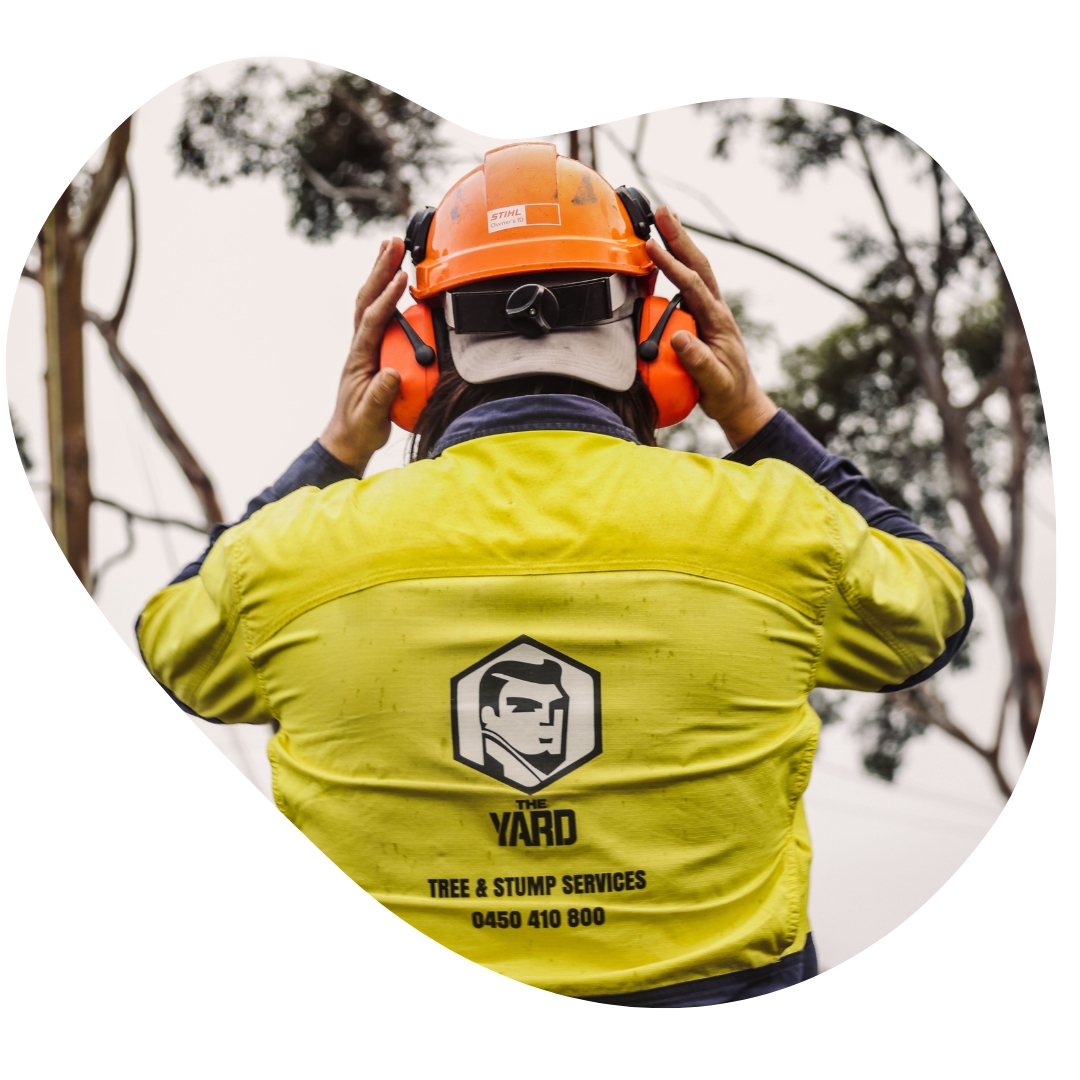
<point x="417" y="383"/>
<point x="673" y="390"/>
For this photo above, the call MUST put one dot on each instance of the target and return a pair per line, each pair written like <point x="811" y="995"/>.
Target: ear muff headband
<point x="412" y="341"/>
<point x="411" y="346"/>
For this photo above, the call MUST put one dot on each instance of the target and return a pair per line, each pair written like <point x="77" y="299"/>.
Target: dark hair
<point x="494" y="679"/>
<point x="453" y="396"/>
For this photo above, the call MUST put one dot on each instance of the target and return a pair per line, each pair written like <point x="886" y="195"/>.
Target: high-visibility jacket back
<point x="545" y="696"/>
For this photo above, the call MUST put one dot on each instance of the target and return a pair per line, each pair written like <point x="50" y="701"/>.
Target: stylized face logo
<point x="526" y="714"/>
<point x="525" y="705"/>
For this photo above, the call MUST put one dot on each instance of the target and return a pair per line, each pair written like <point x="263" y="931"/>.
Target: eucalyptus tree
<point x="928" y="386"/>
<point x="347" y="151"/>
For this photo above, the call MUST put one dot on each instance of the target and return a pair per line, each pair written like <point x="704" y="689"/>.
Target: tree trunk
<point x="1027" y="672"/>
<point x="62" y="258"/>
<point x="64" y="242"/>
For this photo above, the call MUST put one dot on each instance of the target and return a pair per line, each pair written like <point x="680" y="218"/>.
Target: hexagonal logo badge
<point x="526" y="714"/>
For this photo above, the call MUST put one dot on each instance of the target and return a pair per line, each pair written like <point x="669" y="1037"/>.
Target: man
<point x="543" y="692"/>
<point x="523" y="714"/>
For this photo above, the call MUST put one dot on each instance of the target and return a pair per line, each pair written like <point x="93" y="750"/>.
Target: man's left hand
<point x="716" y="358"/>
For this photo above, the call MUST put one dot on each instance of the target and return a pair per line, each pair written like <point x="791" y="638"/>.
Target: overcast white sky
<point x="241" y="328"/>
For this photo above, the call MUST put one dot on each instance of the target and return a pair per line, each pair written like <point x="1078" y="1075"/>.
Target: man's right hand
<point x="716" y="358"/>
<point x="361" y="421"/>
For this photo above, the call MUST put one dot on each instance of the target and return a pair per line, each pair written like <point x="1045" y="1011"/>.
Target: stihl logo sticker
<point x="526" y="715"/>
<point x="512" y="217"/>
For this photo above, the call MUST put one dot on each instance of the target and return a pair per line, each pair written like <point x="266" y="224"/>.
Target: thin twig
<point x="1001" y="720"/>
<point x="112" y="560"/>
<point x="987" y="388"/>
<point x="103" y="183"/>
<point x="886" y="212"/>
<point x="133" y="220"/>
<point x="150" y="519"/>
<point x="196" y="475"/>
<point x="943" y="232"/>
<point x="865" y="306"/>
<point x="130" y="517"/>
<point x="632" y="157"/>
<point x="730" y="238"/>
<point x="370" y="194"/>
<point x="930" y="709"/>
<point x="639" y="135"/>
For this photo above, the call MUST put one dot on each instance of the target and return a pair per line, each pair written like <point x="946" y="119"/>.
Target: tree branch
<point x="150" y="519"/>
<point x="633" y="157"/>
<point x="370" y="194"/>
<point x="103" y="183"/>
<point x="865" y="306"/>
<point x="930" y="709"/>
<point x="112" y="560"/>
<point x="130" y="517"/>
<point x="943" y="233"/>
<point x="1027" y="672"/>
<point x="987" y="388"/>
<point x="639" y="135"/>
<point x="196" y="475"/>
<point x="886" y="213"/>
<point x="133" y="221"/>
<point x="1000" y="735"/>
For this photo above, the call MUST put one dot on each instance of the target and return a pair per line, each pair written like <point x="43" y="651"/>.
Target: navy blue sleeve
<point x="783" y="437"/>
<point x="315" y="467"/>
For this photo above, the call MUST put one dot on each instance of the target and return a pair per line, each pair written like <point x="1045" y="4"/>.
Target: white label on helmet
<point x="512" y="217"/>
<point x="506" y="217"/>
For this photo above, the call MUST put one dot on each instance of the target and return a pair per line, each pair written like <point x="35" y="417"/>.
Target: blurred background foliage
<point x="347" y="151"/>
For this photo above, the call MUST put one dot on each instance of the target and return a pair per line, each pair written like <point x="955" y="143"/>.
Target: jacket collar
<point x="534" y="412"/>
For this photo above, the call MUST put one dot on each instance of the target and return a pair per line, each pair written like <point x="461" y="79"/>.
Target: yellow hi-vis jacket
<point x="545" y="695"/>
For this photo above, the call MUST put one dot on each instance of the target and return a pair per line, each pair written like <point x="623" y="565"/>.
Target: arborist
<point x="544" y="691"/>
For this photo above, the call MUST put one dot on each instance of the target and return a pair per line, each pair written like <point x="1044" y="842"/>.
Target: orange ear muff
<point x="408" y="346"/>
<point x="672" y="388"/>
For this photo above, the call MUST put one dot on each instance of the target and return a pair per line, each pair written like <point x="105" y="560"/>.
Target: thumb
<point x="699" y="360"/>
<point x="380" y="396"/>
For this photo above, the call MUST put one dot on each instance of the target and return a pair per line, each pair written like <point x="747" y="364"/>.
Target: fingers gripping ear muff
<point x="672" y="388"/>
<point x="408" y="346"/>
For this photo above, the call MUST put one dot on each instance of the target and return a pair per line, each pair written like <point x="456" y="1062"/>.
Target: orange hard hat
<point x="527" y="209"/>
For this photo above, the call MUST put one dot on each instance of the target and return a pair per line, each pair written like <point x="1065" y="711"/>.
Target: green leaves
<point x="348" y="152"/>
<point x="858" y="392"/>
<point x="885" y="732"/>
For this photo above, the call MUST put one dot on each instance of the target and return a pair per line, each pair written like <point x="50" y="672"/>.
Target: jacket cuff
<point x="783" y="437"/>
<point x="315" y="467"/>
